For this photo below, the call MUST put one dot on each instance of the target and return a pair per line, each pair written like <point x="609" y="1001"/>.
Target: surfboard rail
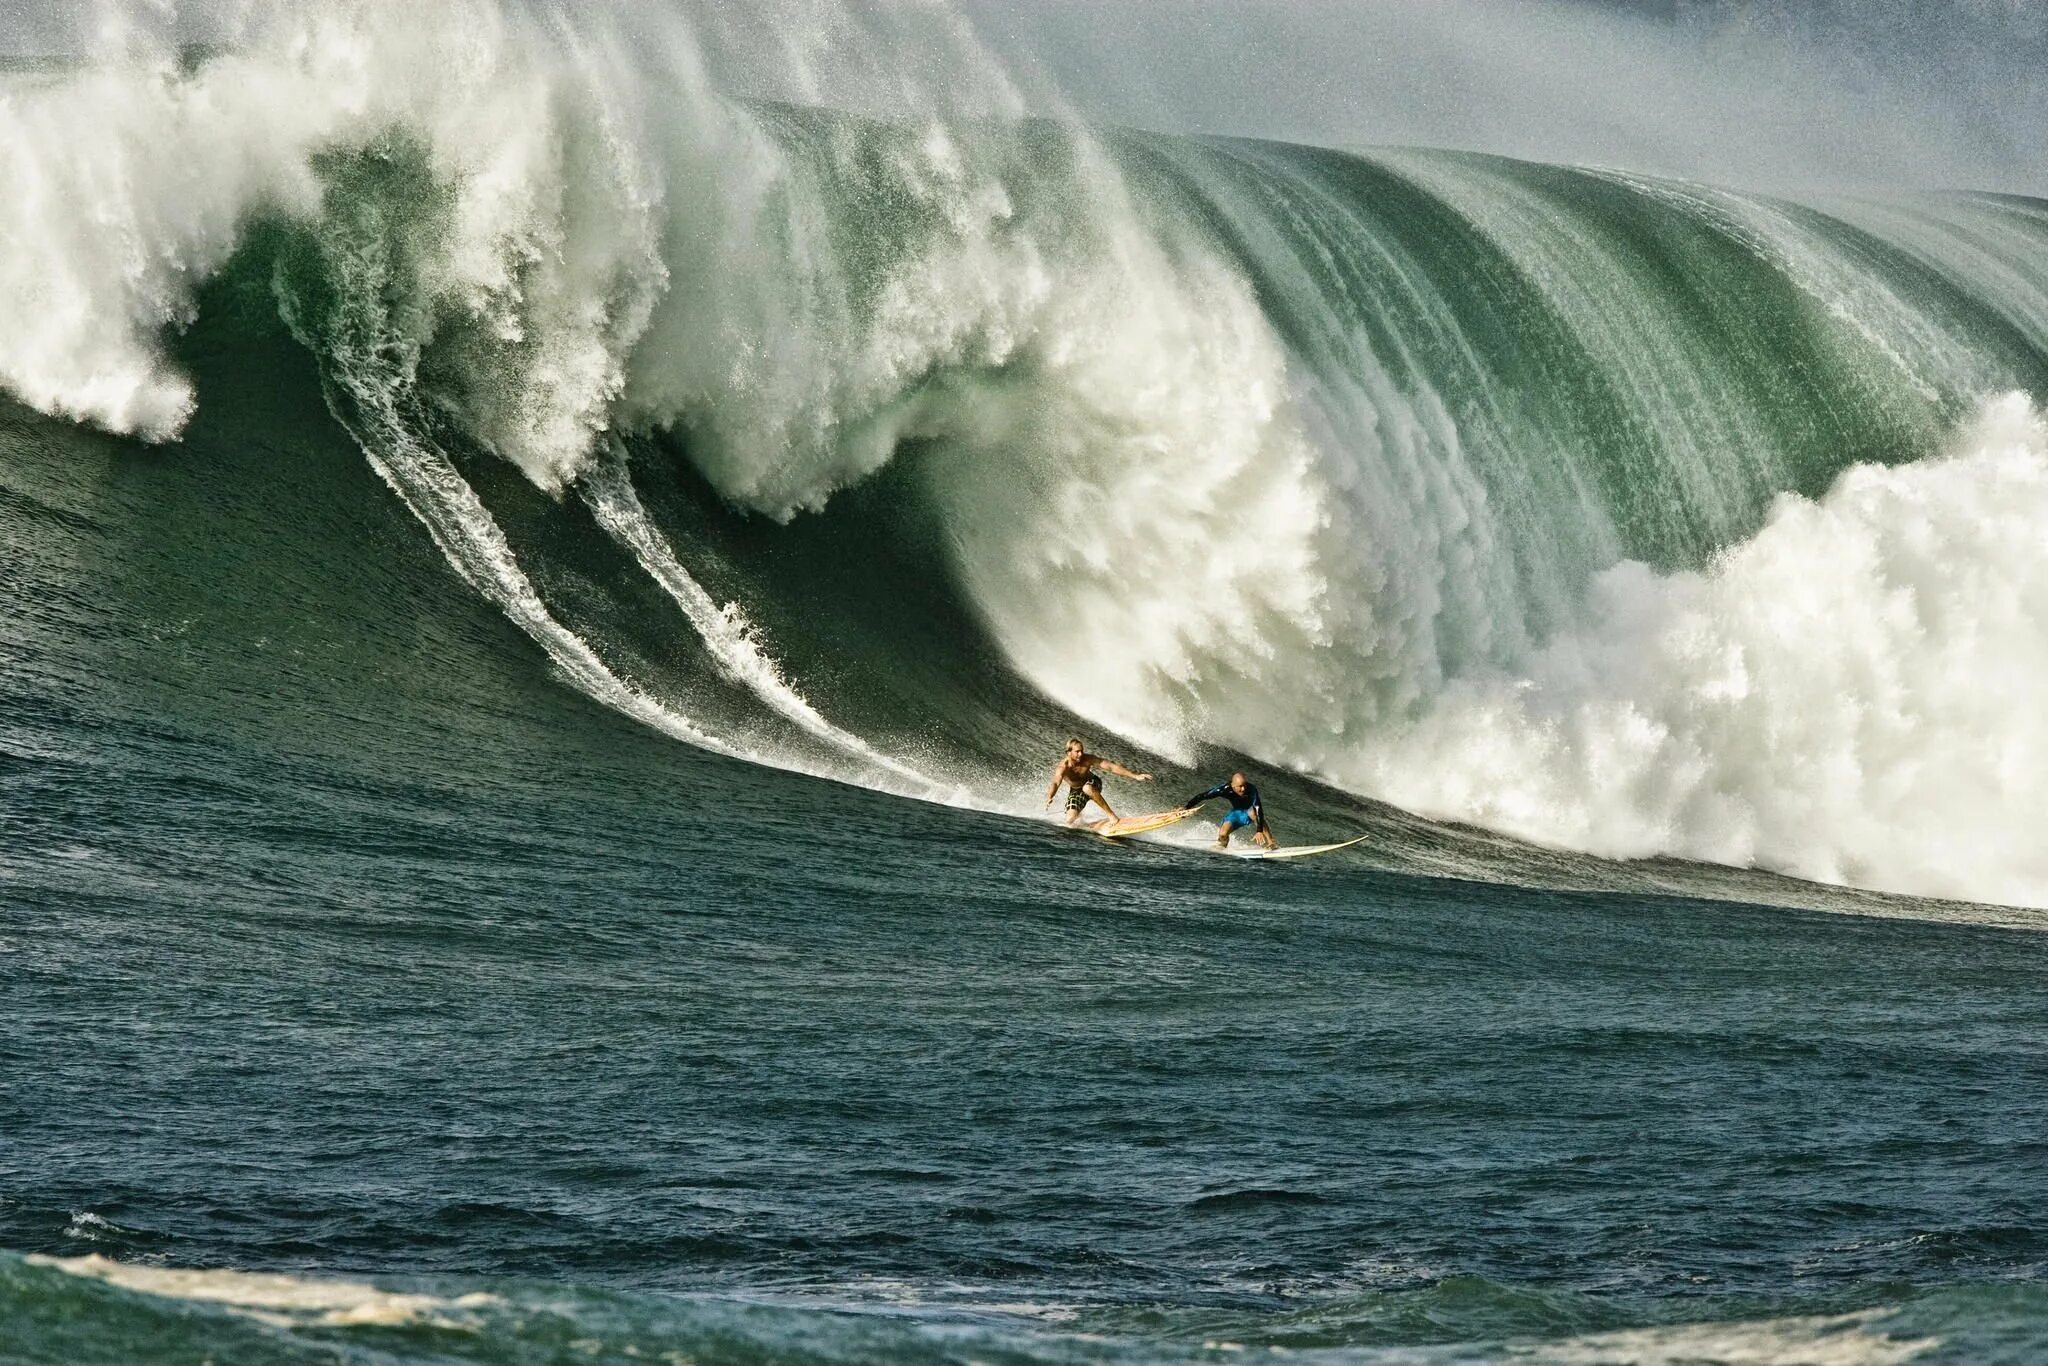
<point x="1126" y="826"/>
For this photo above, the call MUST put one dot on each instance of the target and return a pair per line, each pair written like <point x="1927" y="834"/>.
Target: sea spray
<point x="1851" y="696"/>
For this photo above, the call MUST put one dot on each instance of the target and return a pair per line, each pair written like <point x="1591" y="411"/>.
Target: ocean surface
<point x="541" y="585"/>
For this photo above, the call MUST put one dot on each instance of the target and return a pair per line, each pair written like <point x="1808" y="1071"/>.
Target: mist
<point x="1764" y="93"/>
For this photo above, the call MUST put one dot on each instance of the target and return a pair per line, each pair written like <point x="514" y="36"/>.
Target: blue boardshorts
<point x="1238" y="820"/>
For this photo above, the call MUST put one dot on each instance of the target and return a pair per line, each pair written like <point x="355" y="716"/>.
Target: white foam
<point x="277" y="1298"/>
<point x="133" y="180"/>
<point x="1833" y="1340"/>
<point x="1854" y="695"/>
<point x="90" y="1227"/>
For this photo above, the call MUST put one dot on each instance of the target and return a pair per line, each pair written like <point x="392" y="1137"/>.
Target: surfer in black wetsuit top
<point x="1077" y="769"/>
<point x="1246" y="811"/>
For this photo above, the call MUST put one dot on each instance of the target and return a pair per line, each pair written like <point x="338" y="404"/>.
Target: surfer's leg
<point x="1094" y="791"/>
<point x="1223" y="834"/>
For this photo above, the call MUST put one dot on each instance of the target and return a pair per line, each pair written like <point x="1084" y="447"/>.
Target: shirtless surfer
<point x="1077" y="769"/>
<point x="1246" y="810"/>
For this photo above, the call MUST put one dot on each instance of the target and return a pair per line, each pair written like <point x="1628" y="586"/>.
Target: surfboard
<point x="1126" y="826"/>
<point x="1299" y="851"/>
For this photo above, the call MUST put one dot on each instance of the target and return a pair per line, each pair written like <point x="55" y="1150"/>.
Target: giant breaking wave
<point x="1621" y="514"/>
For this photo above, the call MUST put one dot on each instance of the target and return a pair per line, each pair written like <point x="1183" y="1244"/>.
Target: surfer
<point x="1246" y="811"/>
<point x="1077" y="769"/>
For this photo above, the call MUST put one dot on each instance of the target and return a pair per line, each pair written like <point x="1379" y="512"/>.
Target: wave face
<point x="1622" y="515"/>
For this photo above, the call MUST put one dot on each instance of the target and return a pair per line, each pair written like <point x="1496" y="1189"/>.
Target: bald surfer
<point x="1246" y="812"/>
<point x="1077" y="768"/>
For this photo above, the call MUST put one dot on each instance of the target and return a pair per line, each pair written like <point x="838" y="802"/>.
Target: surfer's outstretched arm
<point x="1211" y="795"/>
<point x="1114" y="767"/>
<point x="1053" y="789"/>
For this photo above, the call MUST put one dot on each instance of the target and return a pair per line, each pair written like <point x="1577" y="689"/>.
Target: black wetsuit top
<point x="1247" y="800"/>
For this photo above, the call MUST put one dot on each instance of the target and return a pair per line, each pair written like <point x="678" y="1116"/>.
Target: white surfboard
<point x="1294" y="851"/>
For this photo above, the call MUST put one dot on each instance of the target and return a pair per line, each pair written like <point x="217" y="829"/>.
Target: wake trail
<point x="475" y="547"/>
<point x="726" y="632"/>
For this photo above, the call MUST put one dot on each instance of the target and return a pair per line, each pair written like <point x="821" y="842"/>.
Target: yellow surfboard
<point x="1125" y="826"/>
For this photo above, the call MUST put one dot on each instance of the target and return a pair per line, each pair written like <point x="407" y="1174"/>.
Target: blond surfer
<point x="1078" y="769"/>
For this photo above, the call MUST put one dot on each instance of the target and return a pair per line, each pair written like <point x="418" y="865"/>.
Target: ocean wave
<point x="1618" y="514"/>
